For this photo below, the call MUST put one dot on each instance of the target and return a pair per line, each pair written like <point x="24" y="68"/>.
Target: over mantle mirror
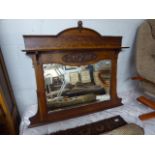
<point x="72" y="86"/>
<point x="76" y="73"/>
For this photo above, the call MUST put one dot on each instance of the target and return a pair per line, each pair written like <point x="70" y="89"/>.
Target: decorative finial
<point x="80" y="24"/>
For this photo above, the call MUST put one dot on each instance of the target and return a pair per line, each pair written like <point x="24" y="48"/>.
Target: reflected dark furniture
<point x="74" y="47"/>
<point x="9" y="116"/>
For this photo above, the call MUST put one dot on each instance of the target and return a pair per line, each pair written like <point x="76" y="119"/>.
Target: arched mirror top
<point x="73" y="38"/>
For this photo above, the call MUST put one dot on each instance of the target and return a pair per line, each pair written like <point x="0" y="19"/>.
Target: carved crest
<point x="79" y="57"/>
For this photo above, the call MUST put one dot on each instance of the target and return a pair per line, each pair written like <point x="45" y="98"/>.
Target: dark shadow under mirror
<point x="72" y="86"/>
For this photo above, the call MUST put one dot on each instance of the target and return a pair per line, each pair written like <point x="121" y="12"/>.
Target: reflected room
<point x="72" y="86"/>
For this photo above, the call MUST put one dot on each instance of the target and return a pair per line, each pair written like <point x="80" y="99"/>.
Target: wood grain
<point x="77" y="43"/>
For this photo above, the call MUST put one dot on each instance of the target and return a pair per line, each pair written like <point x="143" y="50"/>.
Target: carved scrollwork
<point x="79" y="57"/>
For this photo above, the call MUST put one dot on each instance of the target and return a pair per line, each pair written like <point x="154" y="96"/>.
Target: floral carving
<point x="79" y="57"/>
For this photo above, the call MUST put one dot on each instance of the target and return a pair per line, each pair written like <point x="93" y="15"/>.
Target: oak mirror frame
<point x="76" y="73"/>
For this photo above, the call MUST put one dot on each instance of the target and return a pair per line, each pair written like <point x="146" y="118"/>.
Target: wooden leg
<point x="147" y="116"/>
<point x="146" y="101"/>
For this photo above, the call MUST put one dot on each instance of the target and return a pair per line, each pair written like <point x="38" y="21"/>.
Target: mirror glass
<point x="72" y="86"/>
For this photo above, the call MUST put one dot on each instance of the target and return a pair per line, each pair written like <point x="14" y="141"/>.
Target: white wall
<point x="20" y="66"/>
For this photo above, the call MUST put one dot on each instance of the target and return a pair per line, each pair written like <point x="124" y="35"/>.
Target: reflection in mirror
<point x="69" y="86"/>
